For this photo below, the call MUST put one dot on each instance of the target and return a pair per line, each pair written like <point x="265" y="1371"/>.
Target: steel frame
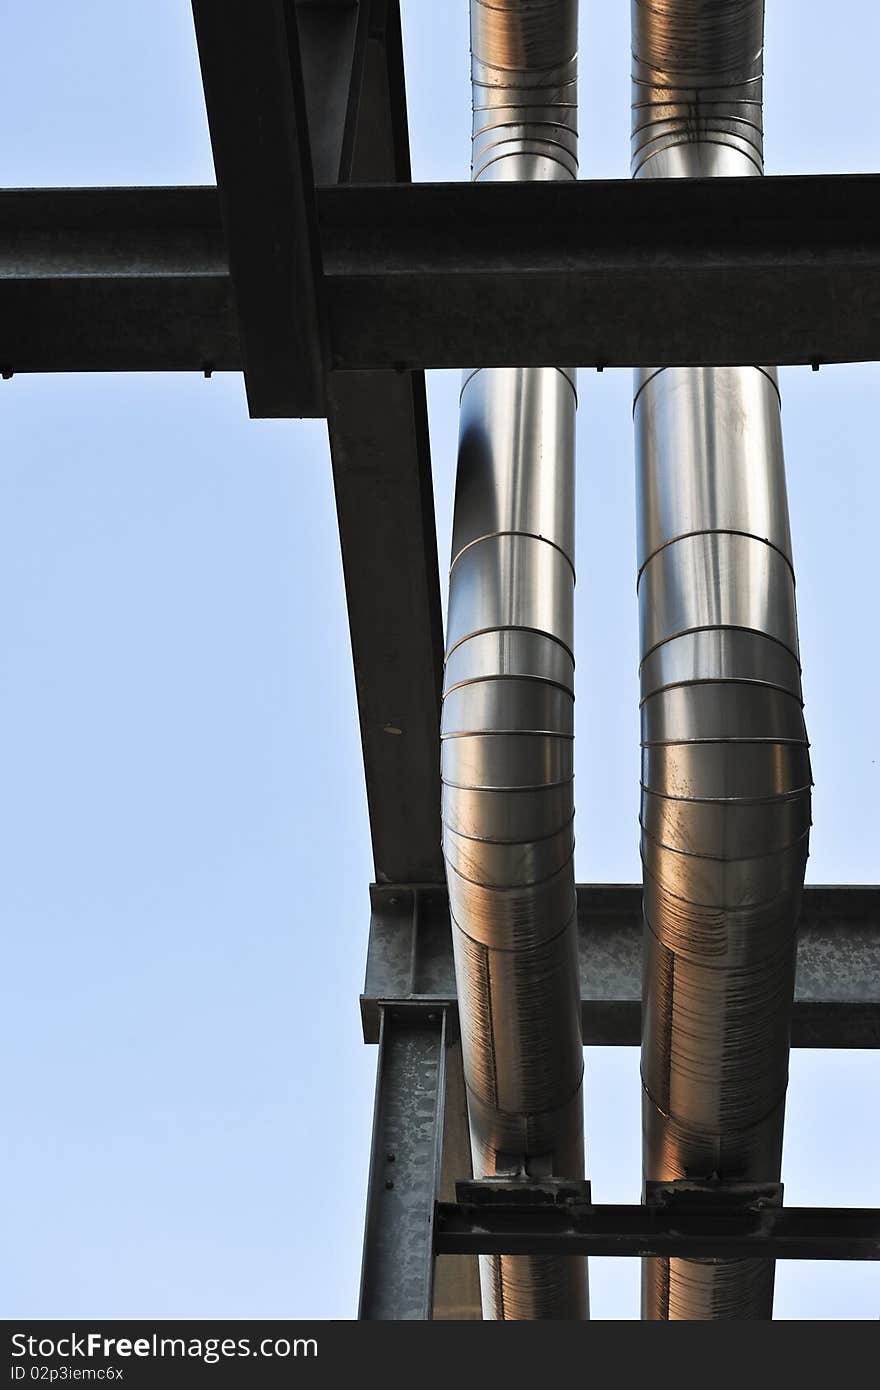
<point x="394" y="276"/>
<point x="678" y="1219"/>
<point x="837" y="989"/>
<point x="321" y="272"/>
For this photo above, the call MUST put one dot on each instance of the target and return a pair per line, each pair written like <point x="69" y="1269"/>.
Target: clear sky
<point x="185" y="849"/>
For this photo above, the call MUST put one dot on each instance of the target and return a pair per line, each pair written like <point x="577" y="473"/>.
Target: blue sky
<point x="185" y="842"/>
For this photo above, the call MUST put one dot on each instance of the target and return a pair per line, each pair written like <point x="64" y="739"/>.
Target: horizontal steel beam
<point x="649" y="272"/>
<point x="114" y="280"/>
<point x="690" y="271"/>
<point x="837" y="992"/>
<point x="701" y="1232"/>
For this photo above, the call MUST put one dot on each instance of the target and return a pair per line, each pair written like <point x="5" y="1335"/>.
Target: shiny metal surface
<point x="524" y="81"/>
<point x="697" y="76"/>
<point x="726" y="779"/>
<point x="508" y="709"/>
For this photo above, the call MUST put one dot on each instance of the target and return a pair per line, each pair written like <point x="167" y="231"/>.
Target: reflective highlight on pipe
<point x="508" y="709"/>
<point x="726" y="777"/>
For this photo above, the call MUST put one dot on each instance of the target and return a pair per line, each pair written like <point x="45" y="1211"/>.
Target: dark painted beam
<point x="333" y="39"/>
<point x="723" y="270"/>
<point x="382" y="473"/>
<point x="380" y="139"/>
<point x="619" y="273"/>
<point x="705" y="1232"/>
<point x="252" y="75"/>
<point x="342" y="65"/>
<point x="114" y="279"/>
<point x="379" y="445"/>
<point x="837" y="989"/>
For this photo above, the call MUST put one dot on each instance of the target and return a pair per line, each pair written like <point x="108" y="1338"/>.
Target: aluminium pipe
<point x="725" y="811"/>
<point x="507" y="721"/>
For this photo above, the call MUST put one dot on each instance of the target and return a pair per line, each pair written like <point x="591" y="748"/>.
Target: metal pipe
<point x="507" y="723"/>
<point x="725" y="763"/>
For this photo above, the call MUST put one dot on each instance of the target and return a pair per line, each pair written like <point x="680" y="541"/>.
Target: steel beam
<point x="456" y="1279"/>
<point x="612" y="273"/>
<point x="333" y="40"/>
<point x="837" y="991"/>
<point x="397" y="1274"/>
<point x="114" y="279"/>
<point x="704" y="1232"/>
<point x="294" y="95"/>
<point x="379" y="445"/>
<point x="256" y="101"/>
<point x="627" y="272"/>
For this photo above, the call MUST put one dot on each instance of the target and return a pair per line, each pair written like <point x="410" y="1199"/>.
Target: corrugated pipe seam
<point x="508" y="707"/>
<point x="726" y="780"/>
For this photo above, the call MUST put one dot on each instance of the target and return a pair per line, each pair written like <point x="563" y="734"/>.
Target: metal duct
<point x="507" y="724"/>
<point x="725" y="764"/>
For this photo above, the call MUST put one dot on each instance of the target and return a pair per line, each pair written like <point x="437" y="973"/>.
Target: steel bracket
<point x="837" y="989"/>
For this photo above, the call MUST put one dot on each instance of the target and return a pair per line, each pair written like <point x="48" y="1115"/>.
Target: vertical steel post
<point x="397" y="1275"/>
<point x="457" y="1277"/>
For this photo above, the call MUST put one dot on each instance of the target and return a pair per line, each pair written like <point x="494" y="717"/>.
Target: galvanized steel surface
<point x="397" y="1274"/>
<point x="725" y="764"/>
<point x="508" y="710"/>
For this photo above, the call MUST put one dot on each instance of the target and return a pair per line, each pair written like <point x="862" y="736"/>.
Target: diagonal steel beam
<point x="295" y="93"/>
<point x="379" y="445"/>
<point x="255" y="97"/>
